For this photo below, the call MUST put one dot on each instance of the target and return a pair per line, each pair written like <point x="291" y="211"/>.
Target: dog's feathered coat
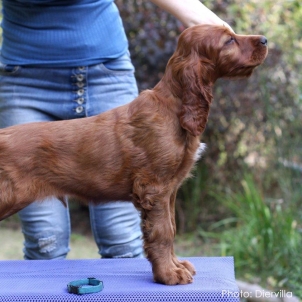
<point x="141" y="151"/>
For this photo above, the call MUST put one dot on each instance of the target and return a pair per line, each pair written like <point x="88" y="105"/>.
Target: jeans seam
<point x="108" y="71"/>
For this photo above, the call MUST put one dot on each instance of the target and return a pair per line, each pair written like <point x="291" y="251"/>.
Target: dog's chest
<point x="199" y="152"/>
<point x="189" y="159"/>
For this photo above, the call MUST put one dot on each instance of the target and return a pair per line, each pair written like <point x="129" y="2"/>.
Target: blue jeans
<point x="29" y="94"/>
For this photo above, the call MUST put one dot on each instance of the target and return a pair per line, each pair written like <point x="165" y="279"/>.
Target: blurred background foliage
<point x="245" y="198"/>
<point x="255" y="124"/>
<point x="254" y="138"/>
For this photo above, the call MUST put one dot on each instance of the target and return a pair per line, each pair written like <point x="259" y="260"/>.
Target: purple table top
<point x="123" y="279"/>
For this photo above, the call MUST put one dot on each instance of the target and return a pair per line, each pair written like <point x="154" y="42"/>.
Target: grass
<point x="263" y="236"/>
<point x="82" y="244"/>
<point x="82" y="247"/>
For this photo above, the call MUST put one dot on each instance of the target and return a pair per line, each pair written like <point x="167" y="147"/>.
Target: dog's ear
<point x="194" y="91"/>
<point x="190" y="77"/>
<point x="196" y="96"/>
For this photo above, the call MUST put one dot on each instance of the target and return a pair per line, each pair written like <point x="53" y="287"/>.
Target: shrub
<point x="263" y="236"/>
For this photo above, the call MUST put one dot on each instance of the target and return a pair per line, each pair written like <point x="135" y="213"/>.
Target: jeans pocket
<point x="6" y="69"/>
<point x="119" y="66"/>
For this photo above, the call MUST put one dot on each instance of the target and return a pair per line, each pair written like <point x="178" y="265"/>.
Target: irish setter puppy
<point x="141" y="151"/>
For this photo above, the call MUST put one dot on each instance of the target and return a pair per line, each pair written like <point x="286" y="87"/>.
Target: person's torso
<point x="59" y="33"/>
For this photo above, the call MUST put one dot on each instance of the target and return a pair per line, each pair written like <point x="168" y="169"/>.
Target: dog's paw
<point x="185" y="264"/>
<point x="182" y="273"/>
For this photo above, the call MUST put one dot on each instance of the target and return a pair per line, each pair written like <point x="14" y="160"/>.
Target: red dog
<point x="141" y="151"/>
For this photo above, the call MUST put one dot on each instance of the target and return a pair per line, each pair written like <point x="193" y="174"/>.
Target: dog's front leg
<point x="176" y="261"/>
<point x="159" y="231"/>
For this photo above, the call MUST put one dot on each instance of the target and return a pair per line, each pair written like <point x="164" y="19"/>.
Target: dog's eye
<point x="230" y="41"/>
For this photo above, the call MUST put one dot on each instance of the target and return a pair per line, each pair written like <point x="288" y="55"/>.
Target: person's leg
<point x="46" y="230"/>
<point x="115" y="225"/>
<point x="116" y="229"/>
<point x="26" y="96"/>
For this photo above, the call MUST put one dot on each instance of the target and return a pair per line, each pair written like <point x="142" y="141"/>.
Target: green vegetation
<point x="254" y="158"/>
<point x="263" y="237"/>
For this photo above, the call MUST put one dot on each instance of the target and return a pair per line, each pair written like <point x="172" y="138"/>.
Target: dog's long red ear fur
<point x="196" y="97"/>
<point x="191" y="82"/>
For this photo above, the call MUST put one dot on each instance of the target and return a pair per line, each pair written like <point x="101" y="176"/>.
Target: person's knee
<point x="46" y="230"/>
<point x="117" y="231"/>
<point x="44" y="246"/>
<point x="131" y="249"/>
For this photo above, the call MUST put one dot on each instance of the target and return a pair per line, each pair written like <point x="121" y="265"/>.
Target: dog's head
<point x="205" y="53"/>
<point x="239" y="54"/>
<point x="218" y="52"/>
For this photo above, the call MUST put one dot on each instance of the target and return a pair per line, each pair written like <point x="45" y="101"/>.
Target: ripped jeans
<point x="29" y="94"/>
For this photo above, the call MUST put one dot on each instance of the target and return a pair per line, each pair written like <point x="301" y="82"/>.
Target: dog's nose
<point x="263" y="40"/>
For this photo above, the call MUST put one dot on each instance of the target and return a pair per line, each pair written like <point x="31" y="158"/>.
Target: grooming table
<point x="124" y="280"/>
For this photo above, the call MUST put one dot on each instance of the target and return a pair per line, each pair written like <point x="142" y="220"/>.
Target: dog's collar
<point x="85" y="286"/>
